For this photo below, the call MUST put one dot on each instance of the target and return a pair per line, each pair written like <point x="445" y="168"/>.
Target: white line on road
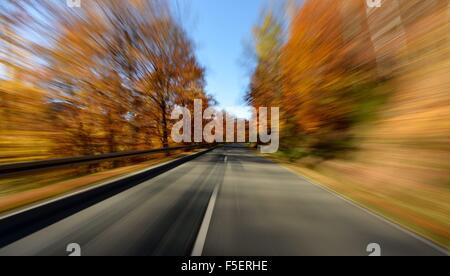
<point x="225" y="159"/>
<point x="201" y="237"/>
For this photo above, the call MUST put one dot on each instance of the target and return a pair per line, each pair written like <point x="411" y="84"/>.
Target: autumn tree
<point x="265" y="87"/>
<point x="326" y="77"/>
<point x="110" y="73"/>
<point x="320" y="76"/>
<point x="174" y="75"/>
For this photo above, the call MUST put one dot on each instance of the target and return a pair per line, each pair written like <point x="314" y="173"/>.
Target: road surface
<point x="228" y="202"/>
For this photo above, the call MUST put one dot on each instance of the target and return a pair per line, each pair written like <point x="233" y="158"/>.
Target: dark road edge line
<point x="18" y="225"/>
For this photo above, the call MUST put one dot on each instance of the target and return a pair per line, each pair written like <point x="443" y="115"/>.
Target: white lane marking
<point x="225" y="159"/>
<point x="371" y="212"/>
<point x="201" y="237"/>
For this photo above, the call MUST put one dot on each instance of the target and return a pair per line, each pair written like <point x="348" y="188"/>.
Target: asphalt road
<point x="228" y="202"/>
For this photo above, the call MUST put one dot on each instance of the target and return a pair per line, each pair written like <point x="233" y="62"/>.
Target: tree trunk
<point x="165" y="131"/>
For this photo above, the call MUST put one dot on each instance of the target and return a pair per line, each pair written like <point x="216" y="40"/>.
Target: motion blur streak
<point x="252" y="217"/>
<point x="363" y="92"/>
<point x="84" y="81"/>
<point x="97" y="79"/>
<point x="365" y="99"/>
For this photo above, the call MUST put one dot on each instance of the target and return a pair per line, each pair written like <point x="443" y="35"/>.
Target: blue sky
<point x="219" y="28"/>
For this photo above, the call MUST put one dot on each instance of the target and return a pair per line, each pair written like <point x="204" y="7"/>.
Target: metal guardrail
<point x="25" y="222"/>
<point x="61" y="162"/>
